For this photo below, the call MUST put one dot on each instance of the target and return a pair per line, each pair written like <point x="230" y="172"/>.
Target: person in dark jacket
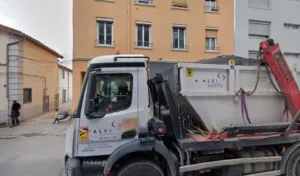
<point x="15" y="113"/>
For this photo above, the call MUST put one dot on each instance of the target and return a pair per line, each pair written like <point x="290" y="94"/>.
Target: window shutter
<point x="259" y="28"/>
<point x="265" y="4"/>
<point x="211" y="33"/>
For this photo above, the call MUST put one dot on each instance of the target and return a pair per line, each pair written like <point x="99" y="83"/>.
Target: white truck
<point x="201" y="119"/>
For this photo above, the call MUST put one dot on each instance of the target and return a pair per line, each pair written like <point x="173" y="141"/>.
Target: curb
<point x="9" y="137"/>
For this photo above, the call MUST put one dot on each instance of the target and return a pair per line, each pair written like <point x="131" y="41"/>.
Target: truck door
<point x="115" y="119"/>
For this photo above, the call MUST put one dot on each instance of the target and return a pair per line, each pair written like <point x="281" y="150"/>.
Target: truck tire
<point x="293" y="164"/>
<point x="72" y="167"/>
<point x="145" y="168"/>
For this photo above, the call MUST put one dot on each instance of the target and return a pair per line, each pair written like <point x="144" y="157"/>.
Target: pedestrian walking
<point x="15" y="113"/>
<point x="56" y="115"/>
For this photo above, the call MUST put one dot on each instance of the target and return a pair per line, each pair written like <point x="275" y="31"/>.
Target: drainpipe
<point x="68" y="86"/>
<point x="7" y="75"/>
<point x="128" y="25"/>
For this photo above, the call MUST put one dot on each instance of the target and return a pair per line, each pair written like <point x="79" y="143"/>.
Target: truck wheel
<point x="72" y="167"/>
<point x="293" y="164"/>
<point x="143" y="168"/>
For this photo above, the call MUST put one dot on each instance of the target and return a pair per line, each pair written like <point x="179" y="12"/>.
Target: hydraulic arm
<point x="283" y="75"/>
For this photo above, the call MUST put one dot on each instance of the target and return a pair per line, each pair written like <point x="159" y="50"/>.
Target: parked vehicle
<point x="204" y="118"/>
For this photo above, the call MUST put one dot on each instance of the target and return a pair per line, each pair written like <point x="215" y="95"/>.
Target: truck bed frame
<point x="167" y="107"/>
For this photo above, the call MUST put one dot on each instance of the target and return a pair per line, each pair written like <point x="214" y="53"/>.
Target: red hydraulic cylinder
<point x="282" y="73"/>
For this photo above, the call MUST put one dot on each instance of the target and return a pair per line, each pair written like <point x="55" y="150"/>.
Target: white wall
<point x="65" y="84"/>
<point x="4" y="39"/>
<point x="282" y="11"/>
<point x="15" y="80"/>
<point x="70" y="85"/>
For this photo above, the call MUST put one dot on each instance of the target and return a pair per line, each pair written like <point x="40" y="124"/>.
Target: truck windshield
<point x="112" y="92"/>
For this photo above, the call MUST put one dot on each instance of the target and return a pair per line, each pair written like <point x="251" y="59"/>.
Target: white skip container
<point x="211" y="90"/>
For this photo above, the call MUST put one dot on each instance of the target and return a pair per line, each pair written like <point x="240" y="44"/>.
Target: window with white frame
<point x="144" y="1"/>
<point x="143" y="35"/>
<point x="211" y="40"/>
<point x="259" y="29"/>
<point x="261" y="4"/>
<point x="289" y="55"/>
<point x="179" y="37"/>
<point x="211" y="5"/>
<point x="105" y="31"/>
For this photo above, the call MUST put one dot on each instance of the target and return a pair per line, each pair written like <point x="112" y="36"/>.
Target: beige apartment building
<point x="164" y="30"/>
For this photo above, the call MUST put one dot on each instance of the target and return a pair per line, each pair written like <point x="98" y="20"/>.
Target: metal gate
<point x="46" y="104"/>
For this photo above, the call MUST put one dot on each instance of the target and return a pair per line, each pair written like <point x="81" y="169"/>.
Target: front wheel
<point x="293" y="164"/>
<point x="141" y="168"/>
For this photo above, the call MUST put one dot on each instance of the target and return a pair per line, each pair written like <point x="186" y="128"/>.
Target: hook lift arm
<point x="272" y="55"/>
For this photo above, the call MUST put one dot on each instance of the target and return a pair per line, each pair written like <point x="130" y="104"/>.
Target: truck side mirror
<point x="89" y="107"/>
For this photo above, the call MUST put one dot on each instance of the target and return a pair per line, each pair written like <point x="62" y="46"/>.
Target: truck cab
<point x="113" y="111"/>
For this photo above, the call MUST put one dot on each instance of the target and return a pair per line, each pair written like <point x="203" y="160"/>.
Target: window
<point x="27" y="95"/>
<point x="111" y="92"/>
<point x="260" y="4"/>
<point x="144" y="1"/>
<point x="211" y="39"/>
<point x="179" y="38"/>
<point x="211" y="5"/>
<point x="291" y="26"/>
<point x="252" y="54"/>
<point x="180" y="3"/>
<point x="259" y="29"/>
<point x="63" y="74"/>
<point x="292" y="55"/>
<point x="143" y="35"/>
<point x="105" y="31"/>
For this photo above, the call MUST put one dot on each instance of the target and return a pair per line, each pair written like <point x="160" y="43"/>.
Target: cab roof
<point x="125" y="58"/>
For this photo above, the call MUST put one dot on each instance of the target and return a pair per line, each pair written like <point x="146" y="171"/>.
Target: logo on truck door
<point x="189" y="72"/>
<point x="84" y="134"/>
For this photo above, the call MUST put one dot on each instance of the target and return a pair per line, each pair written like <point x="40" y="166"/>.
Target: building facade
<point x="257" y="20"/>
<point x="164" y="30"/>
<point x="65" y="76"/>
<point x="28" y="74"/>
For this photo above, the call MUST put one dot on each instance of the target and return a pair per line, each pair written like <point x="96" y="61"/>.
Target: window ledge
<point x="260" y="8"/>
<point x="180" y="50"/>
<point x="104" y="46"/>
<point x="146" y="5"/>
<point x="27" y="102"/>
<point x="112" y="1"/>
<point x="145" y="48"/>
<point x="179" y="8"/>
<point x="212" y="51"/>
<point x="213" y="12"/>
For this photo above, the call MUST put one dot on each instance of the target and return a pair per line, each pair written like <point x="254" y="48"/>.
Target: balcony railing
<point x="143" y="44"/>
<point x="148" y="2"/>
<point x="211" y="8"/>
<point x="179" y="47"/>
<point x="212" y="48"/>
<point x="104" y="42"/>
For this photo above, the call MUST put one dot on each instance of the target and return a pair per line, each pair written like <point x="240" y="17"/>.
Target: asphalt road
<point x="35" y="148"/>
<point x="32" y="156"/>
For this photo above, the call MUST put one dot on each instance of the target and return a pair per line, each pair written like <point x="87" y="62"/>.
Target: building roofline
<point x="29" y="38"/>
<point x="64" y="67"/>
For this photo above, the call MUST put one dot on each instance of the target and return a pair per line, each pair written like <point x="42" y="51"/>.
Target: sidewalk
<point x="39" y="126"/>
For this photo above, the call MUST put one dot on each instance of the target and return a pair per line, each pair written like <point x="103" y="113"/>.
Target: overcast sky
<point x="49" y="21"/>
